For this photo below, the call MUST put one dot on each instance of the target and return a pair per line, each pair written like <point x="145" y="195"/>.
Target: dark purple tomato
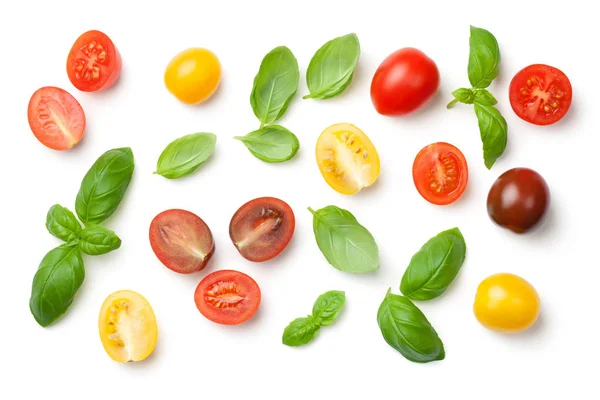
<point x="518" y="200"/>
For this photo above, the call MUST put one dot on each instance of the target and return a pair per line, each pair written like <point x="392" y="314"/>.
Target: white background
<point x="195" y="358"/>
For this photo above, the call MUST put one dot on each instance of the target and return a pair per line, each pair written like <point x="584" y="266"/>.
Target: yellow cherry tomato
<point x="127" y="326"/>
<point x="193" y="75"/>
<point x="347" y="158"/>
<point x="506" y="303"/>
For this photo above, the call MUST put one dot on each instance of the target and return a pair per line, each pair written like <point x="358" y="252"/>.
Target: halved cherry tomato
<point x="181" y="241"/>
<point x="262" y="228"/>
<point x="127" y="326"/>
<point x="227" y="297"/>
<point x="347" y="158"/>
<point x="193" y="75"/>
<point x="540" y="94"/>
<point x="56" y="118"/>
<point x="94" y="63"/>
<point x="440" y="173"/>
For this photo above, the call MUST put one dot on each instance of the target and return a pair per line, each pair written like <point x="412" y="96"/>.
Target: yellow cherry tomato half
<point x="193" y="75"/>
<point x="127" y="326"/>
<point x="506" y="303"/>
<point x="347" y="158"/>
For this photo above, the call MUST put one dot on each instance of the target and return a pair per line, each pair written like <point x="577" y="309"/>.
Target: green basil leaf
<point x="433" y="268"/>
<point x="184" y="155"/>
<point x="484" y="97"/>
<point x="406" y="329"/>
<point x="346" y="244"/>
<point x="275" y="85"/>
<point x="96" y="240"/>
<point x="328" y="306"/>
<point x="300" y="331"/>
<point x="272" y="143"/>
<point x="494" y="133"/>
<point x="55" y="283"/>
<point x="332" y="67"/>
<point x="104" y="186"/>
<point x="61" y="222"/>
<point x="484" y="58"/>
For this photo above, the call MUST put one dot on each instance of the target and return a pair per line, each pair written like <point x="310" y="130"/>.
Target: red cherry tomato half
<point x="181" y="241"/>
<point x="94" y="63"/>
<point x="262" y="228"/>
<point x="56" y="118"/>
<point x="227" y="297"/>
<point x="404" y="81"/>
<point x="440" y="173"/>
<point x="540" y="94"/>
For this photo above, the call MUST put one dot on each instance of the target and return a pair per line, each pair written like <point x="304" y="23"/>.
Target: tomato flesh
<point x="440" y="173"/>
<point x="94" y="63"/>
<point x="227" y="297"/>
<point x="56" y="118"/>
<point x="181" y="241"/>
<point x="540" y="94"/>
<point x="262" y="228"/>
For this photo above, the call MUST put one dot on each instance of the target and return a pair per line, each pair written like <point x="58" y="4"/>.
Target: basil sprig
<point x="185" y="155"/>
<point x="483" y="67"/>
<point x="61" y="272"/>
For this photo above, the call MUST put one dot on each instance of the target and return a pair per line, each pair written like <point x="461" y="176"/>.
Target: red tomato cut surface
<point x="94" y="63"/>
<point x="440" y="173"/>
<point x="540" y="94"/>
<point x="56" y="118"/>
<point x="227" y="297"/>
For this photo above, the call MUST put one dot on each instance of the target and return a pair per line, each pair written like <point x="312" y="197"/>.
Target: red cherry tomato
<point x="227" y="297"/>
<point x="404" y="82"/>
<point x="56" y="118"/>
<point x="440" y="173"/>
<point x="540" y="94"/>
<point x="262" y="228"/>
<point x="94" y="63"/>
<point x="181" y="241"/>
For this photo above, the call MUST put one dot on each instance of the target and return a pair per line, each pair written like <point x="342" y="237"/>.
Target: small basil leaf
<point x="493" y="130"/>
<point x="332" y="67"/>
<point x="433" y="268"/>
<point x="275" y="85"/>
<point x="485" y="98"/>
<point x="484" y="58"/>
<point x="61" y="222"/>
<point x="55" y="284"/>
<point x="96" y="240"/>
<point x="184" y="155"/>
<point x="300" y="331"/>
<point x="346" y="244"/>
<point x="328" y="306"/>
<point x="272" y="143"/>
<point x="406" y="329"/>
<point x="464" y="95"/>
<point x="104" y="186"/>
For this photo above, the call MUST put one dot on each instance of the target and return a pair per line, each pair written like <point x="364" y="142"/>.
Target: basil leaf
<point x="328" y="306"/>
<point x="300" y="331"/>
<point x="98" y="240"/>
<point x="433" y="268"/>
<point x="61" y="222"/>
<point x="184" y="155"/>
<point x="484" y="58"/>
<point x="346" y="244"/>
<point x="493" y="130"/>
<point x="55" y="283"/>
<point x="271" y="143"/>
<point x="462" y="95"/>
<point x="104" y="186"/>
<point x="275" y="85"/>
<point x="332" y="67"/>
<point x="406" y="329"/>
<point x="485" y="98"/>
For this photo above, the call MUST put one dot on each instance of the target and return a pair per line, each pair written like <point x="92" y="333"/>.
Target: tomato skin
<point x="440" y="173"/>
<point x="193" y="75"/>
<point x="94" y="62"/>
<point x="56" y="118"/>
<point x="540" y="94"/>
<point x="404" y="81"/>
<point x="227" y="297"/>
